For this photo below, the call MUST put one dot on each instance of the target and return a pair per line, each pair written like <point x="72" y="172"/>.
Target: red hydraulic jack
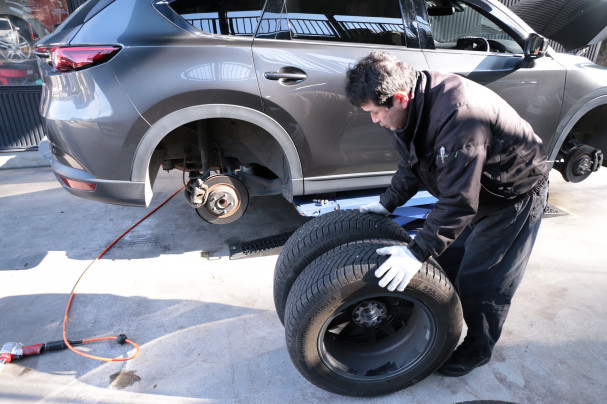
<point x="12" y="351"/>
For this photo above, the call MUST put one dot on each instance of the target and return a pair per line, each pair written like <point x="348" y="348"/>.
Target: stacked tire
<point x="346" y="334"/>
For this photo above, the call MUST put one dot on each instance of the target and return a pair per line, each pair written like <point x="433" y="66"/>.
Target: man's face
<point x="392" y="118"/>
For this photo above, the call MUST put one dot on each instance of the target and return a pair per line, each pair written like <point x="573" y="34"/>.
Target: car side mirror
<point x="535" y="46"/>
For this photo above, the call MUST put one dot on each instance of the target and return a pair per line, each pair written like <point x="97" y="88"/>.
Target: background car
<point x="13" y="46"/>
<point x="247" y="96"/>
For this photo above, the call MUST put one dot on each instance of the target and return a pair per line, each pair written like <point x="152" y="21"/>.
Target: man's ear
<point x="402" y="99"/>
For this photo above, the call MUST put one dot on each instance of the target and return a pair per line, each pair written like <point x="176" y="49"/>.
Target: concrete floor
<point x="207" y="327"/>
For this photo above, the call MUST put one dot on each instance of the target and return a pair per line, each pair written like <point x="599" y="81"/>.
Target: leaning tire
<point x="322" y="234"/>
<point x="349" y="336"/>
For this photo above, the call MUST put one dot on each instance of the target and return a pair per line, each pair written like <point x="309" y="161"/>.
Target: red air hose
<point x="120" y="338"/>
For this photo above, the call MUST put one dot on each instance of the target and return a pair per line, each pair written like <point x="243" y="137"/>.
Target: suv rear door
<point x="534" y="89"/>
<point x="301" y="52"/>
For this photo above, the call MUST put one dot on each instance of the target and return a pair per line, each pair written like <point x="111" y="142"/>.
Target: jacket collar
<point x="408" y="134"/>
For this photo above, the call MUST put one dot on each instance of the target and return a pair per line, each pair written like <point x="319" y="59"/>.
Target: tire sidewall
<point x="296" y="255"/>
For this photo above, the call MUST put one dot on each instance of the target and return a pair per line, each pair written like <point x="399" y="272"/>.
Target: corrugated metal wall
<point x="20" y="123"/>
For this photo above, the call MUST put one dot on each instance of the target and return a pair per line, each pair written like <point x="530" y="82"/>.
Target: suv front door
<point x="478" y="40"/>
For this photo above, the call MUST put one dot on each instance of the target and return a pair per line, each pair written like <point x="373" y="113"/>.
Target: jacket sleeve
<point x="404" y="186"/>
<point x="465" y="138"/>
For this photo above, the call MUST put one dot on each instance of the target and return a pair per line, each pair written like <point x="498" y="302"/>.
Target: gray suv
<point x="247" y="96"/>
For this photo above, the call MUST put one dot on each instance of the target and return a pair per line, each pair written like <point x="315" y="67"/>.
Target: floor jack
<point x="410" y="215"/>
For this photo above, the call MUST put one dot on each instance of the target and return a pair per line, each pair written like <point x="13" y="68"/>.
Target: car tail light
<point x="70" y="58"/>
<point x="80" y="185"/>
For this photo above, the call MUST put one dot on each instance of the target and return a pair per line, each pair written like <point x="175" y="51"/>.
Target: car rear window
<point x="222" y="17"/>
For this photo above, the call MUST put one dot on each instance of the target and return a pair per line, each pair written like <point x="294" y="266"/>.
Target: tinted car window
<point x="453" y="25"/>
<point x="274" y="24"/>
<point x="361" y="21"/>
<point x="223" y="17"/>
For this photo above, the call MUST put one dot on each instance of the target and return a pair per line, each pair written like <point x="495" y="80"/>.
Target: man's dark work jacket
<point x="468" y="148"/>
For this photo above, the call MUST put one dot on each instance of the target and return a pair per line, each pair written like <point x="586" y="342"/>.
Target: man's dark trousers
<point x="487" y="262"/>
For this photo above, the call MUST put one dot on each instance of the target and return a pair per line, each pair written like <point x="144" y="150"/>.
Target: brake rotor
<point x="579" y="163"/>
<point x="227" y="199"/>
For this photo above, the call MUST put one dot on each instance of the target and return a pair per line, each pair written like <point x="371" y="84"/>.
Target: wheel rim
<point x="378" y="337"/>
<point x="16" y="49"/>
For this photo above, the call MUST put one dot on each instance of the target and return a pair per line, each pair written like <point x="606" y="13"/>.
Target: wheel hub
<point x="222" y="200"/>
<point x="369" y="313"/>
<point x="582" y="166"/>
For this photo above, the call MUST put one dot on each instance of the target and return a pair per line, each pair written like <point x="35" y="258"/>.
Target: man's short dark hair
<point x="377" y="77"/>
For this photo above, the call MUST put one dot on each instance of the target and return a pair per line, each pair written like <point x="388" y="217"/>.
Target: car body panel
<point x="333" y="137"/>
<point x="191" y="74"/>
<point x="534" y="89"/>
<point x="535" y="92"/>
<point x="105" y="123"/>
<point x="89" y="115"/>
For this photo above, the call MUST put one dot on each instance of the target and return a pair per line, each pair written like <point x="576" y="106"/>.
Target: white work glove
<point x="399" y="269"/>
<point x="374" y="207"/>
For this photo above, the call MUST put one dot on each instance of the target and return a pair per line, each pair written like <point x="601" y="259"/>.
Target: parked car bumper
<point x="83" y="184"/>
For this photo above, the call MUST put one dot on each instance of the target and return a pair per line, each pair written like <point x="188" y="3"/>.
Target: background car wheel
<point x="349" y="336"/>
<point x="322" y="234"/>
<point x="15" y="48"/>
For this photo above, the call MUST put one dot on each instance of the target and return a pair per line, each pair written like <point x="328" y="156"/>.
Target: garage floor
<point x="206" y="324"/>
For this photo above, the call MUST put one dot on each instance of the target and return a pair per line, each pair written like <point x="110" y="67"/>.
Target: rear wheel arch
<point x="164" y="126"/>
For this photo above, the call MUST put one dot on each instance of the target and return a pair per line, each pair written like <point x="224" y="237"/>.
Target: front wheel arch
<point x="581" y="115"/>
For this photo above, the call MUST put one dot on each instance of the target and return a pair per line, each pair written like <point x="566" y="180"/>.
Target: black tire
<point x="322" y="234"/>
<point x="349" y="336"/>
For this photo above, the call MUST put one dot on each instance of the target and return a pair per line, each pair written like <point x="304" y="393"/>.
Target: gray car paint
<point x="329" y="145"/>
<point x="334" y="138"/>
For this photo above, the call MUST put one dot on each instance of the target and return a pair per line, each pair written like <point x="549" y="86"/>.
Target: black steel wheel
<point x="349" y="336"/>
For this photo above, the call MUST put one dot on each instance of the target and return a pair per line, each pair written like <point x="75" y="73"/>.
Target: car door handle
<point x="287" y="75"/>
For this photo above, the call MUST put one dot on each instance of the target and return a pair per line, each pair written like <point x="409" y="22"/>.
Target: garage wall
<point x="20" y="124"/>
